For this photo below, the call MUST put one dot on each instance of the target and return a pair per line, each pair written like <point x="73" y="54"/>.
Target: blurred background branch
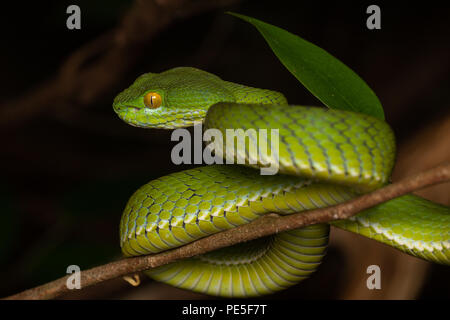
<point x="91" y="70"/>
<point x="70" y="165"/>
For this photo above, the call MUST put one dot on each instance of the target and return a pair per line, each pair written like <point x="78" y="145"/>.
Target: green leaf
<point x="332" y="82"/>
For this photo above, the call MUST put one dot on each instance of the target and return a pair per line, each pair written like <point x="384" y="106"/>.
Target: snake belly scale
<point x="325" y="157"/>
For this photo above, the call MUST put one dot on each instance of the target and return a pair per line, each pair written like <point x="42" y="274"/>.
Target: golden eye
<point x="152" y="100"/>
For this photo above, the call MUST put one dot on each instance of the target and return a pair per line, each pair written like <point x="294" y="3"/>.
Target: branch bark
<point x="264" y="226"/>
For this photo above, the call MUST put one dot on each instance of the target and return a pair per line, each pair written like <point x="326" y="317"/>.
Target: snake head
<point x="172" y="99"/>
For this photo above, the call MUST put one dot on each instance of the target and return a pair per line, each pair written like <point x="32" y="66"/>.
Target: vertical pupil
<point x="151" y="100"/>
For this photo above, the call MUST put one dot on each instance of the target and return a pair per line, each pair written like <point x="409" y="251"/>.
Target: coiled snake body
<point x="325" y="157"/>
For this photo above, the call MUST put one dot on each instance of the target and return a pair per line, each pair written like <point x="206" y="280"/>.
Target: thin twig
<point x="264" y="226"/>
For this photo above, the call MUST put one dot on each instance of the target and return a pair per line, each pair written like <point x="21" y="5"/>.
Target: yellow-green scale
<point x="239" y="195"/>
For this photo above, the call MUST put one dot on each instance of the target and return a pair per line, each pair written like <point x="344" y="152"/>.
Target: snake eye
<point x="152" y="100"/>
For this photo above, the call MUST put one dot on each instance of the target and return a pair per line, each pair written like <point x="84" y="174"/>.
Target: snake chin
<point x="160" y="125"/>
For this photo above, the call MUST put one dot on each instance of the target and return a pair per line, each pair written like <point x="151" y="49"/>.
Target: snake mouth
<point x="162" y="118"/>
<point x="131" y="115"/>
<point x="126" y="108"/>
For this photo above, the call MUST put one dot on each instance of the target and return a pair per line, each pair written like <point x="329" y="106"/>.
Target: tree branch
<point x="264" y="226"/>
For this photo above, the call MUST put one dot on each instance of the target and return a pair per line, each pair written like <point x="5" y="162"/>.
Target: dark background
<point x="69" y="164"/>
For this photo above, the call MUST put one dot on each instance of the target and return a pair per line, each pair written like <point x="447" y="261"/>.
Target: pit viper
<point x="324" y="157"/>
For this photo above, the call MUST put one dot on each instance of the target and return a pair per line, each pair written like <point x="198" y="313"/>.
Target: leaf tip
<point x="238" y="15"/>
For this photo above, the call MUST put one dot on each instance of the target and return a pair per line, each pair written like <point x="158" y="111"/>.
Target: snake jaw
<point x="162" y="118"/>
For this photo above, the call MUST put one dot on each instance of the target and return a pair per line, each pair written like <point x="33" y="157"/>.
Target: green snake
<point x="325" y="157"/>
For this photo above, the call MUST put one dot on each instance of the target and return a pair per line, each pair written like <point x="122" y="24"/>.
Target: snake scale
<point x="325" y="157"/>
